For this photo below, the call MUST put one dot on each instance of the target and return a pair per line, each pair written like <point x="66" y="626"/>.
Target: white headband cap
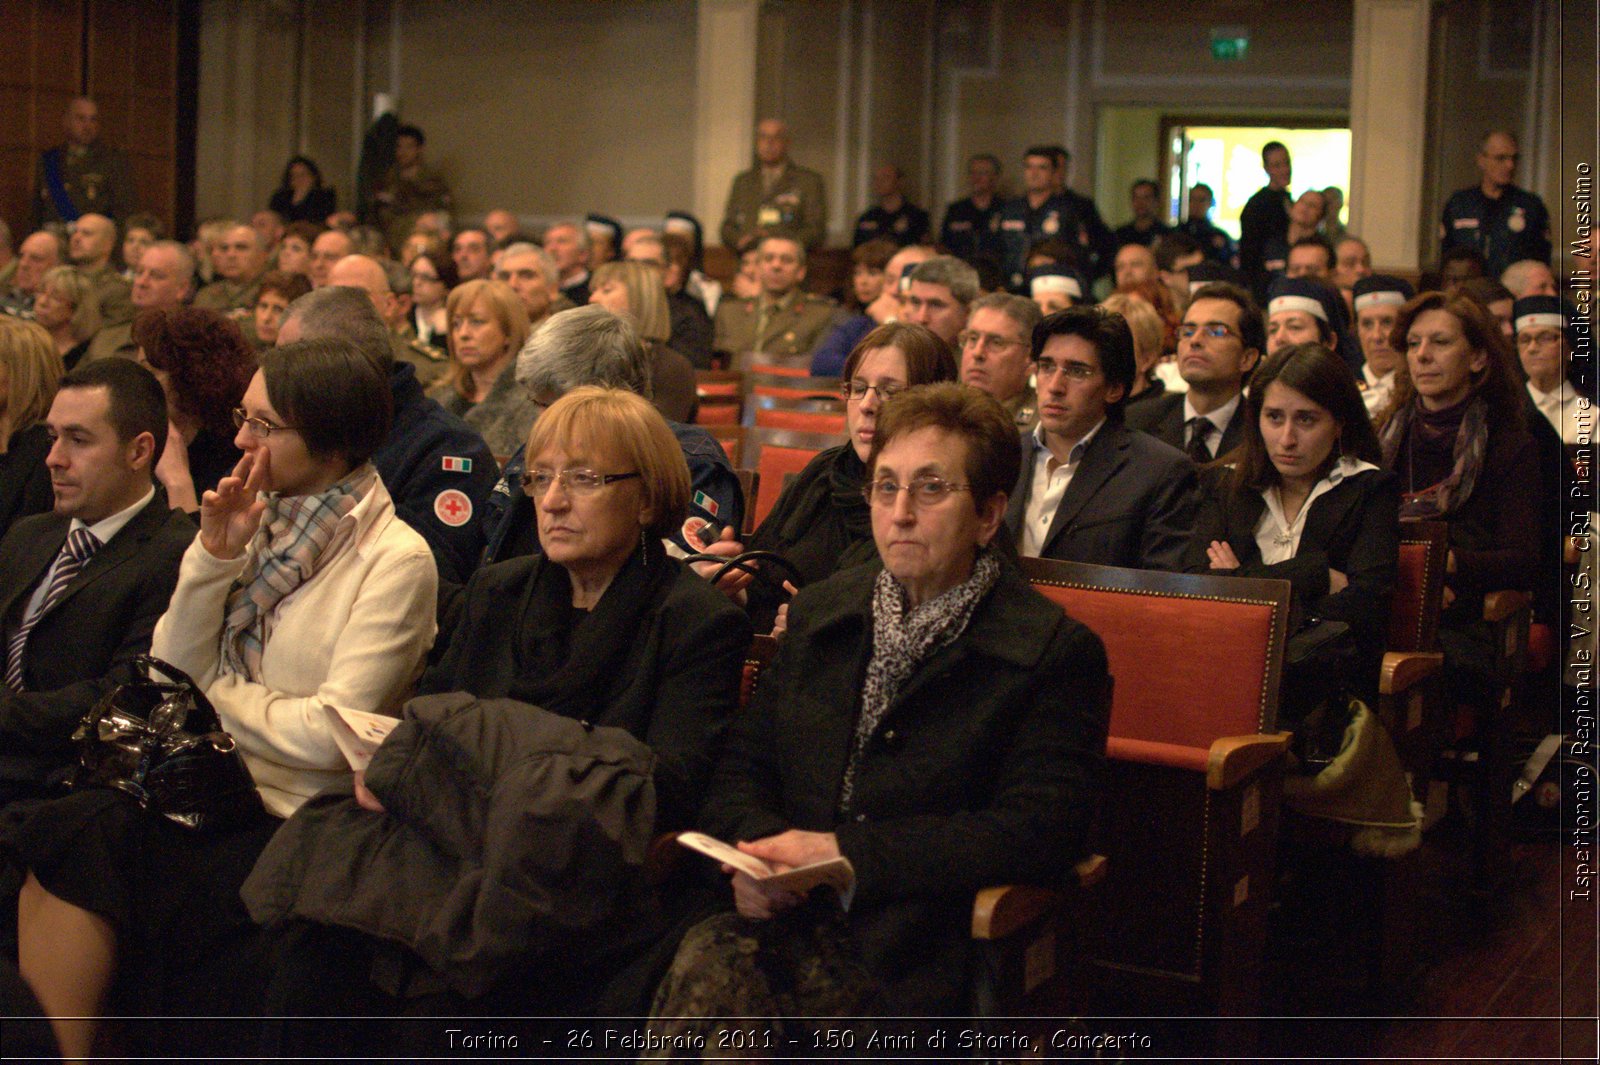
<point x="1298" y="303"/>
<point x="1057" y="283"/>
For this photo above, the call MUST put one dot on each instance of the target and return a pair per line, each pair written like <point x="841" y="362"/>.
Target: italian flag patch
<point x="706" y="503"/>
<point x="453" y="464"/>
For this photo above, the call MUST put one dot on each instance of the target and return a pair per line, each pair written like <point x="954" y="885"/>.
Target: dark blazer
<point x="1163" y="419"/>
<point x="675" y="688"/>
<point x="1131" y="503"/>
<point x="983" y="771"/>
<point x="85" y="645"/>
<point x="1354" y="528"/>
<point x="24" y="478"/>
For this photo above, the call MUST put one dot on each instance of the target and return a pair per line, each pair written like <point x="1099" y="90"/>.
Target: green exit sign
<point x="1229" y="43"/>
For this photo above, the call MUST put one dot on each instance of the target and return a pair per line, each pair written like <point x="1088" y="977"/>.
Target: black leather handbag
<point x="161" y="742"/>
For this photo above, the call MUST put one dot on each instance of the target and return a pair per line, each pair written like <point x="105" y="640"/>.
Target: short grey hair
<point x="583" y="346"/>
<point x="575" y="223"/>
<point x="343" y="313"/>
<point x="1019" y="309"/>
<point x="185" y="259"/>
<point x="547" y="265"/>
<point x="952" y="273"/>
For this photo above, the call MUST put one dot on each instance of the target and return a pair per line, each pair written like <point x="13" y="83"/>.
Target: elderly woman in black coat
<point x="601" y="626"/>
<point x="929" y="717"/>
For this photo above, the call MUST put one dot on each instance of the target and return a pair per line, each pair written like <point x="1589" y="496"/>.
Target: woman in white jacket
<point x="303" y="591"/>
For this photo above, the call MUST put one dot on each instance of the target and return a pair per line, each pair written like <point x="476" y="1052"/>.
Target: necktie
<point x="764" y="314"/>
<point x="1200" y="430"/>
<point x="75" y="553"/>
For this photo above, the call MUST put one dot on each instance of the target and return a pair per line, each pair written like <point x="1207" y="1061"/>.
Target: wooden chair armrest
<point x="998" y="912"/>
<point x="1498" y="606"/>
<point x="1233" y="758"/>
<point x="1403" y="670"/>
<point x="1091" y="871"/>
<point x="661" y="858"/>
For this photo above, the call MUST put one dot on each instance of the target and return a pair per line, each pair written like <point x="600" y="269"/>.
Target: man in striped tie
<point x="81" y="588"/>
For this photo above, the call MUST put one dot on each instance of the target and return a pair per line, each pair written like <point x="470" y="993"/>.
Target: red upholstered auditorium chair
<point x="720" y="396"/>
<point x="1189" y="817"/>
<point x="789" y="387"/>
<point x="798" y="415"/>
<point x="1409" y="699"/>
<point x="772" y="453"/>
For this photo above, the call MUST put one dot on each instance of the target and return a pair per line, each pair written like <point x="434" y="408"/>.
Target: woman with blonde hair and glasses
<point x="30" y="370"/>
<point x="487" y="327"/>
<point x="638" y="291"/>
<point x="69" y="310"/>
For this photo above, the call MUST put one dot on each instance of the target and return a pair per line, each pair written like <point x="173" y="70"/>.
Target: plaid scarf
<point x="902" y="640"/>
<point x="297" y="535"/>
<point x="1468" y="449"/>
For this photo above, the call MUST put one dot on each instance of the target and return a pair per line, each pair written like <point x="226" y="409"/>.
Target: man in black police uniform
<point x="972" y="226"/>
<point x="1145" y="199"/>
<point x="437" y="469"/>
<point x="893" y="217"/>
<point x="1215" y="242"/>
<point x="1503" y="222"/>
<point x="1047" y="210"/>
<point x="1266" y="216"/>
<point x="81" y="588"/>
<point x="83" y="175"/>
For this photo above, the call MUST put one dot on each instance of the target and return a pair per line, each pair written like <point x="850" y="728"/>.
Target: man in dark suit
<point x="81" y="588"/>
<point x="1090" y="490"/>
<point x="1219" y="343"/>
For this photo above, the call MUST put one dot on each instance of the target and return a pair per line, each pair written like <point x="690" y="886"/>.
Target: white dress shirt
<point x="1050" y="481"/>
<point x="1277" y="536"/>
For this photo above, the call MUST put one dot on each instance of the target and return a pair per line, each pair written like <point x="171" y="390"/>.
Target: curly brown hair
<point x="207" y="360"/>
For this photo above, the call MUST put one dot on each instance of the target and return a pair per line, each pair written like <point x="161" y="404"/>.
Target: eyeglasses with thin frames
<point x="1078" y="371"/>
<point x="578" y="482"/>
<point x="260" y="428"/>
<point x="925" y="491"/>
<point x="1214" y="330"/>
<point x="986" y="341"/>
<point x="857" y="390"/>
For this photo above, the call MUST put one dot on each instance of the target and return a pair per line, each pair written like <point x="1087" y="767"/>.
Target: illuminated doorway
<point x="1228" y="158"/>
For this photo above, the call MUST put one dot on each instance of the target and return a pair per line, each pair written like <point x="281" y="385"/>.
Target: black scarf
<point x="569" y="659"/>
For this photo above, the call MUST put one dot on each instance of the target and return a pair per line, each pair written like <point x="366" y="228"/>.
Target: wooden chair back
<point x="762" y="651"/>
<point x="756" y="362"/>
<point x="773" y="453"/>
<point x="789" y="387"/>
<point x="1188" y="816"/>
<point x="1419" y="586"/>
<point x="749" y="482"/>
<point x="797" y="415"/>
<point x="720" y="396"/>
<point x="1196" y="657"/>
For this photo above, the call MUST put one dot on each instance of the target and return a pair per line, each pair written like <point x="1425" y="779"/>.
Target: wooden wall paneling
<point x="42" y="38"/>
<point x="132" y="60"/>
